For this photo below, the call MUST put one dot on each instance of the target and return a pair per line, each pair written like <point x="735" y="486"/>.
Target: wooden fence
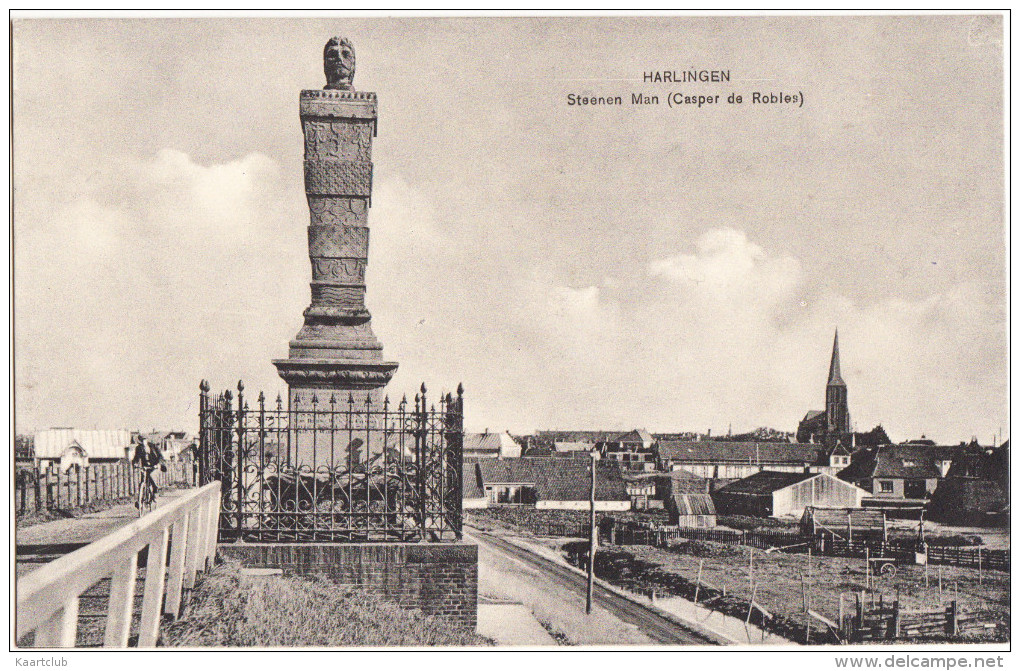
<point x="874" y="620"/>
<point x="52" y="489"/>
<point x="185" y="530"/>
<point x="636" y="533"/>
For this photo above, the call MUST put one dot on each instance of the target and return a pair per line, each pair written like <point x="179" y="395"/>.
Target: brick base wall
<point x="440" y="579"/>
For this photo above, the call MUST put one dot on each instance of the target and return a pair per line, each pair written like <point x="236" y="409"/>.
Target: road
<point x="658" y="628"/>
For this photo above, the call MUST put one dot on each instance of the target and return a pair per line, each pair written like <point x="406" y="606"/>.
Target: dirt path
<point x="42" y="543"/>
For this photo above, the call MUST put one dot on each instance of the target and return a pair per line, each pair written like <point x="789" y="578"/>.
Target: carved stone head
<point x="338" y="62"/>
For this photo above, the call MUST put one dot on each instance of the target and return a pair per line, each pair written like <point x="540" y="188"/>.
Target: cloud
<point x="169" y="271"/>
<point x="152" y="278"/>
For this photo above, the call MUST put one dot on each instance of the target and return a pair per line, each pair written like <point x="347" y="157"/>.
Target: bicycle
<point x="146" y="494"/>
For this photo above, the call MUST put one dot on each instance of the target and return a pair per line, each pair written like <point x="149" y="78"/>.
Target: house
<point x="844" y="523"/>
<point x="67" y="447"/>
<point x="779" y="494"/>
<point x="556" y="484"/>
<point x="173" y="444"/>
<point x="488" y="445"/>
<point x="905" y="472"/>
<point x="975" y="491"/>
<point x="634" y="450"/>
<point x="719" y="459"/>
<point x="687" y="499"/>
<point x="642" y="490"/>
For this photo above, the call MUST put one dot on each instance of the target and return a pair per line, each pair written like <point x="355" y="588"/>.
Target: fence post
<point x="178" y="547"/>
<point x="49" y="488"/>
<point x="952" y="619"/>
<point x="896" y="616"/>
<point x="152" y="595"/>
<point x="122" y="600"/>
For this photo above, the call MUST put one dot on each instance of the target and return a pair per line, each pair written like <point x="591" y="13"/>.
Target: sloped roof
<point x="96" y="443"/>
<point x="523" y="470"/>
<point x="581" y="436"/>
<point x="766" y="482"/>
<point x="569" y="446"/>
<point x="487" y="442"/>
<point x="743" y="452"/>
<point x="691" y="503"/>
<point x="471" y="484"/>
<point x="557" y="479"/>
<point x="811" y="414"/>
<point x="636" y="436"/>
<point x="681" y="481"/>
<point x="898" y="461"/>
<point x="834" y="377"/>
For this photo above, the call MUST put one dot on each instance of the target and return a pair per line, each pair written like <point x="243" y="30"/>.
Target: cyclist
<point x="147" y="457"/>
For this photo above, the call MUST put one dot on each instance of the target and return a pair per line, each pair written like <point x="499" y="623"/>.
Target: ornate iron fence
<point x="331" y="469"/>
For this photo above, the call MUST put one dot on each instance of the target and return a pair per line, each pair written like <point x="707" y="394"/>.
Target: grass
<point x="233" y="610"/>
<point x="523" y="518"/>
<point x="779" y="586"/>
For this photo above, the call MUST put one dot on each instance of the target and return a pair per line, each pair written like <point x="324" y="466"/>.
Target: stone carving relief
<point x="338" y="241"/>
<point x="338" y="178"/>
<point x="347" y="140"/>
<point x="351" y="271"/>
<point x="339" y="211"/>
<point x="334" y="295"/>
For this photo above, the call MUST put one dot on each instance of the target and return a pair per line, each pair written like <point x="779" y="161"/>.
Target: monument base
<point x="440" y="579"/>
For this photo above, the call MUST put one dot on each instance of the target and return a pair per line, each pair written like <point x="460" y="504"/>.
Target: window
<point x="886" y="486"/>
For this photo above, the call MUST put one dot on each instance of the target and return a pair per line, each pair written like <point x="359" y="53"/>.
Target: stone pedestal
<point x="440" y="579"/>
<point x="336" y="352"/>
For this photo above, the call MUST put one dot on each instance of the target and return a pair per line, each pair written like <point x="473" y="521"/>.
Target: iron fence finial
<point x="262" y="397"/>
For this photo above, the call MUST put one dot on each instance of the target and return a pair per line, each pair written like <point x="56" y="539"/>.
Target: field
<point x="781" y="591"/>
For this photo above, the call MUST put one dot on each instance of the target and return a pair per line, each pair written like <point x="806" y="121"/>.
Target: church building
<point x="830" y="425"/>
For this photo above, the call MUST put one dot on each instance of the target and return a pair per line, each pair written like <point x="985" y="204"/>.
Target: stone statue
<point x="338" y="62"/>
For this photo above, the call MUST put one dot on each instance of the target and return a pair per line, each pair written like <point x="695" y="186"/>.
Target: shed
<point x="843" y="522"/>
<point x="778" y="494"/>
<point x="688" y="501"/>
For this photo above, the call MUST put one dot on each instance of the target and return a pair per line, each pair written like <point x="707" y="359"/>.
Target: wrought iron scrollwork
<point x="334" y="470"/>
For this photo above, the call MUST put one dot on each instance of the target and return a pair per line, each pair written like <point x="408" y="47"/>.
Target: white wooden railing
<point x="48" y="597"/>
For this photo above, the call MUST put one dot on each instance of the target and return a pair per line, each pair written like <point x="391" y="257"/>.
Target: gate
<point x="328" y="469"/>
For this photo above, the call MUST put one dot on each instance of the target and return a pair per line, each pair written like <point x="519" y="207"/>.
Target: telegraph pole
<point x="591" y="538"/>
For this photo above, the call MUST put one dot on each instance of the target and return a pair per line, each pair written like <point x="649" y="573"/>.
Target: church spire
<point x="834" y="376"/>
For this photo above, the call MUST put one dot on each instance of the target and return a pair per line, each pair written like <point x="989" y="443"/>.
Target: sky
<point x="670" y="268"/>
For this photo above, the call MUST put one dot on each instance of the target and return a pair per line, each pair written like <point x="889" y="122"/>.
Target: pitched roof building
<point x="777" y="494"/>
<point x="833" y="423"/>
<point x="490" y="445"/>
<point x="548" y="483"/>
<point x="906" y="471"/>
